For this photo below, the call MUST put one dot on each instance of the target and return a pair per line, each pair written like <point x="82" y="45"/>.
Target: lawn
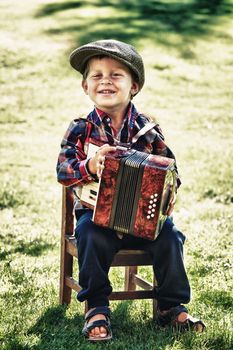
<point x="188" y="53"/>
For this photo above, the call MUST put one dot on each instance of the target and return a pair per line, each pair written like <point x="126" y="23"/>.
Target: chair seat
<point x="124" y="256"/>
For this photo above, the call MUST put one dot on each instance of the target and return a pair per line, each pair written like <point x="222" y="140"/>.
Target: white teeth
<point x="106" y="92"/>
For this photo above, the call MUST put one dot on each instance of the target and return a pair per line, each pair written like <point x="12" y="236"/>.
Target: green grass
<point x="187" y="49"/>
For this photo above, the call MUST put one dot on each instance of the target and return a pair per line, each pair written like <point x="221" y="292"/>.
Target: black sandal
<point x="170" y="317"/>
<point x="88" y="326"/>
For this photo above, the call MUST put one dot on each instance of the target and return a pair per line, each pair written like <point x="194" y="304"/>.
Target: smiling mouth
<point x="106" y="92"/>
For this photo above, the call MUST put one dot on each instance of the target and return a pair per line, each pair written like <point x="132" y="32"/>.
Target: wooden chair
<point x="130" y="259"/>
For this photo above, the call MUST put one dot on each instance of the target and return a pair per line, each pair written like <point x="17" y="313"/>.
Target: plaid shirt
<point x="72" y="160"/>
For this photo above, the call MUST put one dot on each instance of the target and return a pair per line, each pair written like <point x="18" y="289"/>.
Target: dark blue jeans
<point x="97" y="247"/>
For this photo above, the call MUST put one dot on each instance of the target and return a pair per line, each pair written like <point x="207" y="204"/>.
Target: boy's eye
<point x="116" y="74"/>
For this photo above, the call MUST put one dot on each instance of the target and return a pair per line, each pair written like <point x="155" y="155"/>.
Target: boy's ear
<point x="85" y="86"/>
<point x="134" y="88"/>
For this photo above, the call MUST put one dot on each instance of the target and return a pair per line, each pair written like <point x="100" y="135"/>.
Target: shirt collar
<point x="131" y="114"/>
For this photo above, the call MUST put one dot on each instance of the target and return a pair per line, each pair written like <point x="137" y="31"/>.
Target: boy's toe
<point x="103" y="332"/>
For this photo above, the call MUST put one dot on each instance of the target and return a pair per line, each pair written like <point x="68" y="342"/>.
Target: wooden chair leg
<point x="66" y="269"/>
<point x="130" y="271"/>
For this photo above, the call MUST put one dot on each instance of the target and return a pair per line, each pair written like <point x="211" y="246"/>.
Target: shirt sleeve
<point x="72" y="160"/>
<point x="160" y="148"/>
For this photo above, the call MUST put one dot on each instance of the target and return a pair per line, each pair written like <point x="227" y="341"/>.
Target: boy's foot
<point x="97" y="326"/>
<point x="98" y="331"/>
<point x="178" y="317"/>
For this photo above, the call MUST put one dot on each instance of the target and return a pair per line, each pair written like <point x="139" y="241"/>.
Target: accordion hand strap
<point x="143" y="131"/>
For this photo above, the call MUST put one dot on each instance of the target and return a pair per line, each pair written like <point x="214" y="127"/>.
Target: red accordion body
<point x="134" y="192"/>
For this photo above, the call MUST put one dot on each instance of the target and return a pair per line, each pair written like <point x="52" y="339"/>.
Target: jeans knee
<point x="94" y="237"/>
<point x="171" y="234"/>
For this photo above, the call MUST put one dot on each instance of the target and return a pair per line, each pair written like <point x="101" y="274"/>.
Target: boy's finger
<point x="101" y="159"/>
<point x="100" y="168"/>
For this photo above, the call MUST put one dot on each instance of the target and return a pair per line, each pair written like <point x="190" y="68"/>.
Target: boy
<point x="113" y="73"/>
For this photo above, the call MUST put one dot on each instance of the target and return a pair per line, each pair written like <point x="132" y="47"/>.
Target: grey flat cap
<point x="113" y="48"/>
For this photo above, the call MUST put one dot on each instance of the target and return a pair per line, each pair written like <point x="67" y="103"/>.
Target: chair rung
<point x="139" y="281"/>
<point x="72" y="283"/>
<point x="121" y="295"/>
<point x="136" y="294"/>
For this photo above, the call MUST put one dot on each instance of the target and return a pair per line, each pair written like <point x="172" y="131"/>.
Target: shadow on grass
<point x="52" y="8"/>
<point x="33" y="248"/>
<point x="10" y="197"/>
<point x="55" y="329"/>
<point x="133" y="20"/>
<point x="217" y="298"/>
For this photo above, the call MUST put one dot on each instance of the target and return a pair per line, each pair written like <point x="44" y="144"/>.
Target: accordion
<point x="133" y="194"/>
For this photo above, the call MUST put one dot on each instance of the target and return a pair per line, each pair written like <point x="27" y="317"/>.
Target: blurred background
<point x="188" y="54"/>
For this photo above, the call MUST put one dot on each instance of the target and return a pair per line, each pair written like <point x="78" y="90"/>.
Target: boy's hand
<point x="96" y="164"/>
<point x="171" y="205"/>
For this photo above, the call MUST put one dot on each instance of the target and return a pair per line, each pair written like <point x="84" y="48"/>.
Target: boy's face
<point x="109" y="84"/>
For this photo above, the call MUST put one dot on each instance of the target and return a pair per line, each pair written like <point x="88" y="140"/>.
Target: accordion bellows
<point x="133" y="193"/>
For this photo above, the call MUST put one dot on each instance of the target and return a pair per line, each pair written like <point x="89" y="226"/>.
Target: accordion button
<point x="150" y="206"/>
<point x="148" y="217"/>
<point x="151" y="202"/>
<point x="153" y="210"/>
<point x="152" y="215"/>
<point x="154" y="205"/>
<point x="155" y="200"/>
<point x="152" y="196"/>
<point x="156" y="194"/>
<point x="149" y="212"/>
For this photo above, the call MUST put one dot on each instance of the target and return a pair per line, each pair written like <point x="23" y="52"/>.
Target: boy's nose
<point x="106" y="80"/>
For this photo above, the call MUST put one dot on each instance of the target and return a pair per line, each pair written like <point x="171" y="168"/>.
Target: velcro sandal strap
<point x="194" y="322"/>
<point x="170" y="316"/>
<point x="176" y="311"/>
<point x="104" y="310"/>
<point x="98" y="323"/>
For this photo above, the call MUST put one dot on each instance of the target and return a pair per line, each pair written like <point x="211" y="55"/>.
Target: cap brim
<point x="79" y="58"/>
